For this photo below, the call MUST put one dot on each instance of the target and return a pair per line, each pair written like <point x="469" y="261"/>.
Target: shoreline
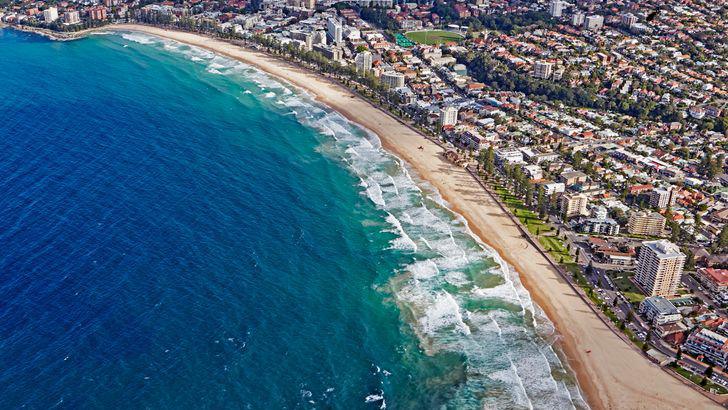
<point x="614" y="374"/>
<point x="54" y="35"/>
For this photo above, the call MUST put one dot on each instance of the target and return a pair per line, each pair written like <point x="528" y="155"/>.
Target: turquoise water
<point x="179" y="230"/>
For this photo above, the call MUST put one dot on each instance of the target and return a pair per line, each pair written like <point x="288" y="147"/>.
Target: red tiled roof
<point x="719" y="276"/>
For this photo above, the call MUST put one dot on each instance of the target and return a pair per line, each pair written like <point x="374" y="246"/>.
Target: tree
<point x="689" y="259"/>
<point x="709" y="371"/>
<point x="576" y="160"/>
<point x="528" y="191"/>
<point x="541" y="202"/>
<point x="723" y="237"/>
<point x="675" y="231"/>
<point x="678" y="355"/>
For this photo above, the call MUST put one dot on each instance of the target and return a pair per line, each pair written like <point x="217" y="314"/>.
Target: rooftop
<point x="662" y="305"/>
<point x="664" y="248"/>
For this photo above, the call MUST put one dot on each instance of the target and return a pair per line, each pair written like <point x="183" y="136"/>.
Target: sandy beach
<point x="614" y="374"/>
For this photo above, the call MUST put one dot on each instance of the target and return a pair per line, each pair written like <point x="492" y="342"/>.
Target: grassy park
<point x="432" y="37"/>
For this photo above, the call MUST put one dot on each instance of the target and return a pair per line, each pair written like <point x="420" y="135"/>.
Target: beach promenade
<point x="613" y="374"/>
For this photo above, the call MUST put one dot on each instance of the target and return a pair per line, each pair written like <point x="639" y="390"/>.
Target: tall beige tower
<point x="660" y="267"/>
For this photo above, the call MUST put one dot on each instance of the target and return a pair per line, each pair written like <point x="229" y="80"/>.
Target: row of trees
<point x="519" y="182"/>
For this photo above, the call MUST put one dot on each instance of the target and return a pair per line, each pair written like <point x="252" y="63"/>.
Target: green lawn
<point x="626" y="286"/>
<point x="433" y="36"/>
<point x="710" y="386"/>
<point x="527" y="217"/>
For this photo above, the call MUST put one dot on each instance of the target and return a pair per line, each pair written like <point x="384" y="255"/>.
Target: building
<point x="363" y="62"/>
<point x="571" y="205"/>
<point x="716" y="282"/>
<point x="663" y="198"/>
<point x="577" y="19"/>
<point x="570" y="178"/>
<point x="71" y="17"/>
<point x="330" y="52"/>
<point x="335" y="30"/>
<point x="50" y="14"/>
<point x="659" y="268"/>
<point x="542" y="69"/>
<point x="659" y="311"/>
<point x="449" y="115"/>
<point x="373" y="3"/>
<point x="551" y="188"/>
<point x="508" y="156"/>
<point x="393" y="79"/>
<point x="628" y="19"/>
<point x="712" y="346"/>
<point x="97" y="13"/>
<point x="556" y="8"/>
<point x="304" y="37"/>
<point x="602" y="226"/>
<point x="534" y="172"/>
<point x="646" y="224"/>
<point x="600" y="212"/>
<point x="305" y="4"/>
<point x="594" y="22"/>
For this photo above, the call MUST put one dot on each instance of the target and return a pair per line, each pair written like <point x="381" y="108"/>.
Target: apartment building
<point x="663" y="198"/>
<point x="646" y="223"/>
<point x="659" y="268"/>
<point x="543" y="69"/>
<point x="571" y="205"/>
<point x="449" y="115"/>
<point x="363" y="62"/>
<point x="710" y="345"/>
<point x="659" y="311"/>
<point x="392" y="79"/>
<point x="50" y="14"/>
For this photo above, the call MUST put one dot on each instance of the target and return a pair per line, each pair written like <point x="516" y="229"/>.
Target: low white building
<point x="659" y="310"/>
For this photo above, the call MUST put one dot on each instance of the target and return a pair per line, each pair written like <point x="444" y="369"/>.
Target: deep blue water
<point x="179" y="231"/>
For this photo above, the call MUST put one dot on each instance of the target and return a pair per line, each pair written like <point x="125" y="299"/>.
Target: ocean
<point x="180" y="230"/>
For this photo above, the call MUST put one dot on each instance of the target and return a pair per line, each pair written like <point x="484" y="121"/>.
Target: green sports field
<point x="433" y="36"/>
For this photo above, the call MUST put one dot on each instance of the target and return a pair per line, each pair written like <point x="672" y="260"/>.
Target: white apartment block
<point x="594" y="22"/>
<point x="392" y="79"/>
<point x="660" y="268"/>
<point x="578" y="19"/>
<point x="662" y="198"/>
<point x="335" y="30"/>
<point x="542" y="69"/>
<point x="556" y="8"/>
<point x="363" y="62"/>
<point x="50" y="14"/>
<point x="449" y="115"/>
